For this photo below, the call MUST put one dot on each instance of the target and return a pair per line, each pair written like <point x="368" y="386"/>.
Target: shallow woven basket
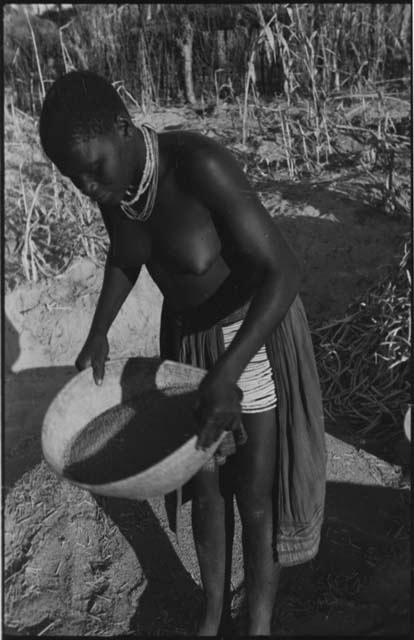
<point x="82" y="402"/>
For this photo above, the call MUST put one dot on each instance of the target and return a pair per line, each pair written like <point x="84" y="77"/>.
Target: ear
<point x="124" y="126"/>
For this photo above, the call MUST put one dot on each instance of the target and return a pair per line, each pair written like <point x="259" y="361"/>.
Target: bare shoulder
<point x="193" y="151"/>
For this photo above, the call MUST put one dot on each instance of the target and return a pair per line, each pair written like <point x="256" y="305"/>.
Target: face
<point x="101" y="167"/>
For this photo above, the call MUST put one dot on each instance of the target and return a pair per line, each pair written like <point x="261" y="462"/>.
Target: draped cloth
<point x="300" y="470"/>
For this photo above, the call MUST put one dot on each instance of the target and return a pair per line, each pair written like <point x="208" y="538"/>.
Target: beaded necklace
<point x="149" y="178"/>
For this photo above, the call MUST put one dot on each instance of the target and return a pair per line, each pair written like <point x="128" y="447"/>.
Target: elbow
<point x="288" y="278"/>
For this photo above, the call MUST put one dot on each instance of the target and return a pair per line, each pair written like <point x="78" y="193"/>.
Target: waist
<point x="204" y="317"/>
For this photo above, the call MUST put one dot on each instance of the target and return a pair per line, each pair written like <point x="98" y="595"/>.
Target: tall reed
<point x="344" y="46"/>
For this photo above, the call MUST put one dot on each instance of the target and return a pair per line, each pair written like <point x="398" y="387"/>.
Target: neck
<point x="138" y="157"/>
<point x="147" y="183"/>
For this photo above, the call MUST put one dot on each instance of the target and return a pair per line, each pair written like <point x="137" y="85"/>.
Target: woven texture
<point x="132" y="437"/>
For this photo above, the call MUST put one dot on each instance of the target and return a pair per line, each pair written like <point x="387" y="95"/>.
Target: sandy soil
<point x="359" y="583"/>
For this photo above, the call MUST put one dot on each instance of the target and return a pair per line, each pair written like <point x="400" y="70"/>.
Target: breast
<point x="187" y="242"/>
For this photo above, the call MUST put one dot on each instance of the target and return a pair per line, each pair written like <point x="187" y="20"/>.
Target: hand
<point x="218" y="408"/>
<point x="94" y="353"/>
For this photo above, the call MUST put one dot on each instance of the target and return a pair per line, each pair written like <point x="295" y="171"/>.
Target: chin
<point x="110" y="199"/>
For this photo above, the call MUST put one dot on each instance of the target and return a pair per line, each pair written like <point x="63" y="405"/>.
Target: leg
<point x="255" y="467"/>
<point x="211" y="515"/>
<point x="226" y="619"/>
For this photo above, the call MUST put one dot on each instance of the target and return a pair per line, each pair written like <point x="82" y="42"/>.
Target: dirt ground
<point x="359" y="584"/>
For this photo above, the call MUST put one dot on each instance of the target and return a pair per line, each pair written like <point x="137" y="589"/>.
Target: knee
<point x="254" y="506"/>
<point x="254" y="515"/>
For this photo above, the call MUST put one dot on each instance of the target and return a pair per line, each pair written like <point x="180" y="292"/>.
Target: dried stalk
<point x="39" y="69"/>
<point x="363" y="359"/>
<point x="69" y="66"/>
<point x="30" y="269"/>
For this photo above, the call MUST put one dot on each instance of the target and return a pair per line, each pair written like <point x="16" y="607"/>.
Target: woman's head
<point x="80" y="105"/>
<point x="85" y="129"/>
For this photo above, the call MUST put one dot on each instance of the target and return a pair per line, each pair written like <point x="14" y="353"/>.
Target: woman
<point x="179" y="203"/>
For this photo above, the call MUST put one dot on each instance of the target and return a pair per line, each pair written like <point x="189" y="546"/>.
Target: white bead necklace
<point x="149" y="178"/>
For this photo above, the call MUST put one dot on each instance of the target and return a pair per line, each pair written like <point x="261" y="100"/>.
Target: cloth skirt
<point x="300" y="477"/>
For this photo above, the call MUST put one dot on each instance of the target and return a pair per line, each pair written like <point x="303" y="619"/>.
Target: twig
<point x="36" y="54"/>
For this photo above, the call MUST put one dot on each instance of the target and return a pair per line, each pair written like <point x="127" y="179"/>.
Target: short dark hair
<point x="78" y="106"/>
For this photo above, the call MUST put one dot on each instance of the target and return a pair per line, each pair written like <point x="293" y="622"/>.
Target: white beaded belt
<point x="256" y="381"/>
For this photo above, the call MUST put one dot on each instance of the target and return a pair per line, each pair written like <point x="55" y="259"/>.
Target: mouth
<point x="102" y="198"/>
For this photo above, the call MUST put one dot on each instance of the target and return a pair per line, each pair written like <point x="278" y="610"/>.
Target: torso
<point x="185" y="252"/>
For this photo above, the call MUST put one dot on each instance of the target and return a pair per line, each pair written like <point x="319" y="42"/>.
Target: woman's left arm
<point x="219" y="182"/>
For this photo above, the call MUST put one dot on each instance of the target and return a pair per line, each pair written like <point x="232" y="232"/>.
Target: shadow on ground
<point x="339" y="241"/>
<point x="27" y="396"/>
<point x="359" y="583"/>
<point x="172" y="601"/>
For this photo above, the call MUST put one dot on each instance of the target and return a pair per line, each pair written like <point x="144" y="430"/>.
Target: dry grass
<point x="328" y="108"/>
<point x="48" y="221"/>
<point x="363" y="359"/>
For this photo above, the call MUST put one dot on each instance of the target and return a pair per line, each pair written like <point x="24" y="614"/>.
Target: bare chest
<point x="184" y="238"/>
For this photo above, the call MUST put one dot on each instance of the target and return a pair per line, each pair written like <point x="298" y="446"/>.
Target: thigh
<point x="253" y="465"/>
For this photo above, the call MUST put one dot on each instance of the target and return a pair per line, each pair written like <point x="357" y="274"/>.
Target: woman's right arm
<point x="119" y="279"/>
<point x="117" y="284"/>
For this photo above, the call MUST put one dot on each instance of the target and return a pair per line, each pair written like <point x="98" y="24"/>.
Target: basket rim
<point x="77" y="379"/>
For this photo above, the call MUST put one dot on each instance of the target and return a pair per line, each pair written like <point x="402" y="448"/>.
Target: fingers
<point x="218" y="410"/>
<point x="94" y="354"/>
<point x="220" y="460"/>
<point x="212" y="425"/>
<point x="98" y="369"/>
<point x="208" y="435"/>
<point x="97" y="364"/>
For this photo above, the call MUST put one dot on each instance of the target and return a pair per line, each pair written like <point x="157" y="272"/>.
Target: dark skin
<point x="209" y="244"/>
